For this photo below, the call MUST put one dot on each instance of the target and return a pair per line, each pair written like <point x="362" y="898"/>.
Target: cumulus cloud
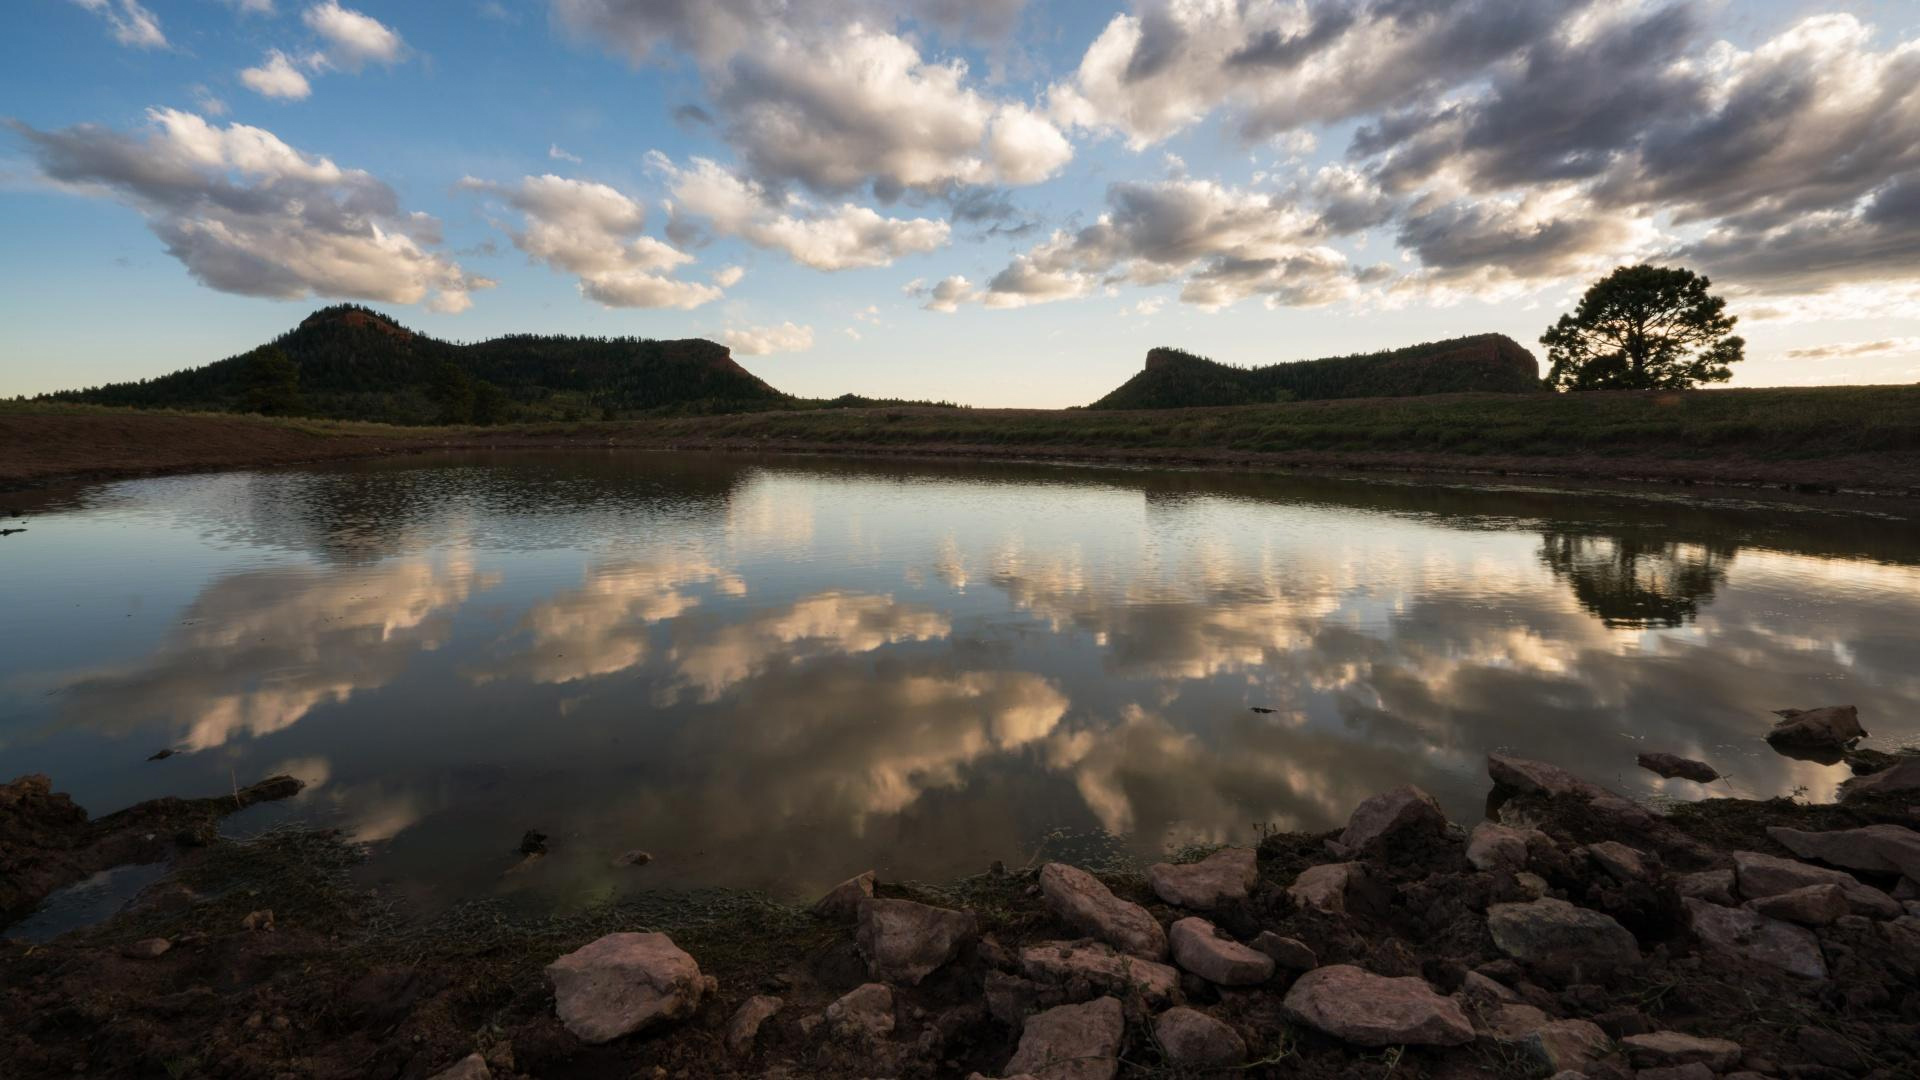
<point x="353" y="39"/>
<point x="764" y="340"/>
<point x="277" y="77"/>
<point x="945" y="295"/>
<point x="129" y="21"/>
<point x="594" y="232"/>
<point x="248" y="214"/>
<point x="826" y="238"/>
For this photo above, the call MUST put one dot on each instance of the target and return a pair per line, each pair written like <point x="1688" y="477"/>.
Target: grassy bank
<point x="1859" y="437"/>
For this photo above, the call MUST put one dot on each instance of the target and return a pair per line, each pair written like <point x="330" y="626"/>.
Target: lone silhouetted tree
<point x="1644" y="328"/>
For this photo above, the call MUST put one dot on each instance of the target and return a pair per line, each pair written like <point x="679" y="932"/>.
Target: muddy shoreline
<point x="1571" y="934"/>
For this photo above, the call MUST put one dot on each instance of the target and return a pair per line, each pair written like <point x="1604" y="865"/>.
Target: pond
<point x="775" y="673"/>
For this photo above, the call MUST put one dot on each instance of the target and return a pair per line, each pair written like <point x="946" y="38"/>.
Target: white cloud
<point x="246" y="213"/>
<point x="763" y="340"/>
<point x="354" y="39"/>
<point x="946" y="295"/>
<point x="276" y="77"/>
<point x="1849" y="350"/>
<point x="131" y="23"/>
<point x="557" y="154"/>
<point x="728" y="276"/>
<point x="833" y="238"/>
<point x="594" y="232"/>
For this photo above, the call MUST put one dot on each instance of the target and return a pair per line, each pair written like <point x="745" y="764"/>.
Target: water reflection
<point x="774" y="675"/>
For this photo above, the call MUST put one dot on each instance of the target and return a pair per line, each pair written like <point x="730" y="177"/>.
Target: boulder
<point x="1670" y="766"/>
<point x="1713" y="886"/>
<point x="744" y="1027"/>
<point x="1809" y="905"/>
<point x="1486" y="992"/>
<point x="1194" y="1040"/>
<point x="621" y="983"/>
<point x="1200" y="947"/>
<point x="1365" y="1009"/>
<point x="1619" y="860"/>
<point x="1071" y="1042"/>
<point x="1289" y="954"/>
<point x="1324" y="888"/>
<point x="1539" y="778"/>
<point x="1877" y="849"/>
<point x="1904" y="777"/>
<point x="904" y="942"/>
<point x="1404" y="811"/>
<point x="863" y="1014"/>
<point x="1557" y="936"/>
<point x="1754" y="937"/>
<point x="1078" y="899"/>
<point x="1089" y="968"/>
<point x="1223" y="876"/>
<point x="1829" y="729"/>
<point x="1493" y="846"/>
<point x="842" y="902"/>
<point x="471" y="1067"/>
<point x="1666" y="1048"/>
<point x="1564" y="1044"/>
<point x="1758" y="875"/>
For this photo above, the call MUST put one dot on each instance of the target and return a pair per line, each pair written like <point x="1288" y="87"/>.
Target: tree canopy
<point x="1644" y="328"/>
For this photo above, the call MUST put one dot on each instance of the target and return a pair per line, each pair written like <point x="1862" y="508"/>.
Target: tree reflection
<point x="1637" y="582"/>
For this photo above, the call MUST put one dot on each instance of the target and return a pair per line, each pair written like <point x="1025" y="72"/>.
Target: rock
<point x="1100" y="969"/>
<point x="1809" y="905"/>
<point x="842" y="903"/>
<point x="1878" y="849"/>
<point x="1713" y="886"/>
<point x="1200" y="947"/>
<point x="621" y="983"/>
<point x="1755" y="937"/>
<point x="1365" y="1009"/>
<point x="1078" y="899"/>
<point x="147" y="948"/>
<point x="1194" y="1040"/>
<point x="1619" y="860"/>
<point x="1557" y="936"/>
<point x="471" y="1067"/>
<point x="1564" y="1044"/>
<point x="1406" y="810"/>
<point x="258" y="920"/>
<point x="744" y="1028"/>
<point x="636" y="857"/>
<point x="1324" y="888"/>
<point x="1830" y="1049"/>
<point x="1532" y="884"/>
<point x="1510" y="1020"/>
<point x="1831" y="728"/>
<point x="1670" y="766"/>
<point x="1225" y="875"/>
<point x="904" y="942"/>
<point x="1289" y="954"/>
<point x="864" y="1014"/>
<point x="1071" y="1042"/>
<point x="1695" y="1071"/>
<point x="1759" y="875"/>
<point x="1902" y="777"/>
<point x="1666" y="1048"/>
<point x="1493" y="846"/>
<point x="1540" y="778"/>
<point x="1486" y="991"/>
<point x="533" y="842"/>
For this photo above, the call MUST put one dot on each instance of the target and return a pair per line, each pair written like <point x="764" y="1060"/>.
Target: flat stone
<point x="1289" y="954"/>
<point x="1223" y="876"/>
<point x="1564" y="1044"/>
<point x="1078" y="899"/>
<point x="1878" y="849"/>
<point x="1194" y="1040"/>
<point x="1324" y="888"/>
<point x="1365" y="1009"/>
<point x="1903" y="777"/>
<point x="621" y="983"/>
<point x="1493" y="846"/>
<point x="1713" y="886"/>
<point x="842" y="902"/>
<point x="471" y="1067"/>
<point x="904" y="942"/>
<point x="1557" y="936"/>
<point x="863" y="1014"/>
<point x="1663" y="1048"/>
<point x="147" y="948"/>
<point x="1101" y="969"/>
<point x="1759" y="875"/>
<point x="1619" y="860"/>
<point x="744" y="1028"/>
<point x="1071" y="1042"/>
<point x="1809" y="905"/>
<point x="1755" y="937"/>
<point x="1670" y="766"/>
<point x="1200" y="947"/>
<point x="1406" y="810"/>
<point x="1829" y="728"/>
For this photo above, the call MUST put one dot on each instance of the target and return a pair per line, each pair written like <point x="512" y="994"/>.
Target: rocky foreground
<point x="1572" y="934"/>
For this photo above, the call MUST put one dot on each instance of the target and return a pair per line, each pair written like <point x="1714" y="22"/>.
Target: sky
<point x="993" y="202"/>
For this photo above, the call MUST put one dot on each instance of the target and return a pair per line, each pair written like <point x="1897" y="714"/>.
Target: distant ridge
<point x="350" y="362"/>
<point x="1176" y="379"/>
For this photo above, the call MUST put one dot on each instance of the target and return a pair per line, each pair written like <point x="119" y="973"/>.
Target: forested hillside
<point x="1174" y="379"/>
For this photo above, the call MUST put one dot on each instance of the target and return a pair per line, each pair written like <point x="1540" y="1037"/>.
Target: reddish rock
<point x="904" y="942"/>
<point x="1221" y="877"/>
<point x="1071" y="1042"/>
<point x="1365" y="1009"/>
<point x="1406" y="810"/>
<point x="1194" y="1040"/>
<point x="1200" y="947"/>
<point x="1078" y="899"/>
<point x="622" y="983"/>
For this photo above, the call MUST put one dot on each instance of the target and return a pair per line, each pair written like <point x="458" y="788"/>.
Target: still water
<point x="777" y="673"/>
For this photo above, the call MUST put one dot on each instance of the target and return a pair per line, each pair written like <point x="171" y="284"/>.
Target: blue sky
<point x="992" y="202"/>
